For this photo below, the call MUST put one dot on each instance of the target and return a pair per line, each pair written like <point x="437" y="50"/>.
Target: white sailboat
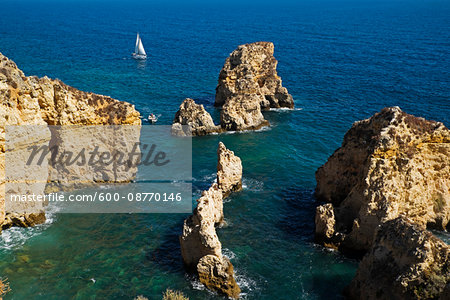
<point x="139" y="51"/>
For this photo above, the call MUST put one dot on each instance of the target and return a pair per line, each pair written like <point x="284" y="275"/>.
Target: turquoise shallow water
<point x="341" y="62"/>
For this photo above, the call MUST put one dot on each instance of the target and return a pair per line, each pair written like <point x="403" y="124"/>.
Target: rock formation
<point x="229" y="171"/>
<point x="43" y="101"/>
<point x="405" y="262"/>
<point x="217" y="275"/>
<point x="242" y="112"/>
<point x="251" y="69"/>
<point x="193" y="119"/>
<point x="200" y="246"/>
<point x="390" y="164"/>
<point x="199" y="236"/>
<point x="248" y="83"/>
<point x="325" y="220"/>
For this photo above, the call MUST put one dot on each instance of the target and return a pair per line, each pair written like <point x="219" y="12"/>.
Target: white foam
<point x="282" y="109"/>
<point x="226" y="200"/>
<point x="264" y="128"/>
<point x="226" y="222"/>
<point x="252" y="185"/>
<point x="228" y="253"/>
<point x="207" y="177"/>
<point x="15" y="237"/>
<point x="246" y="284"/>
<point x="196" y="285"/>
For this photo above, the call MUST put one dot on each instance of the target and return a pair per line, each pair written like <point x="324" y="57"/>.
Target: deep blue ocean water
<point x="341" y="61"/>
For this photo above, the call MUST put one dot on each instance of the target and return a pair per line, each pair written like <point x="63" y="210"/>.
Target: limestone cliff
<point x="405" y="262"/>
<point x="43" y="101"/>
<point x="390" y="164"/>
<point x="200" y="246"/>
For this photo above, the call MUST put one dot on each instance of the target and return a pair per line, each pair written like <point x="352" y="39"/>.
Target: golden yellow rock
<point x="389" y="165"/>
<point x="229" y="170"/>
<point x="218" y="275"/>
<point x="200" y="246"/>
<point x="404" y="263"/>
<point x="192" y="119"/>
<point x="43" y="101"/>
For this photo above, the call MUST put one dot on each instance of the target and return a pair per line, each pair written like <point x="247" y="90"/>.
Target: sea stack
<point x="192" y="119"/>
<point x="389" y="165"/>
<point x="249" y="83"/>
<point x="251" y="69"/>
<point x="200" y="246"/>
<point x="43" y="101"/>
<point x="229" y="171"/>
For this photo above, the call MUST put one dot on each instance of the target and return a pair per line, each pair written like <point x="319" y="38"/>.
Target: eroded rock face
<point x="326" y="226"/>
<point x="200" y="246"/>
<point x="251" y="69"/>
<point x="405" y="262"/>
<point x="18" y="106"/>
<point x="23" y="220"/>
<point x="229" y="170"/>
<point x="248" y="83"/>
<point x="196" y="119"/>
<point x="242" y="112"/>
<point x="390" y="164"/>
<point x="199" y="236"/>
<point x="218" y="275"/>
<point x="43" y="101"/>
<point x="103" y="139"/>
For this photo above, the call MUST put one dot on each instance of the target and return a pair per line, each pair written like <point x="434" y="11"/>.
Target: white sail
<point x="136" y="47"/>
<point x="139" y="51"/>
<point x="141" y="48"/>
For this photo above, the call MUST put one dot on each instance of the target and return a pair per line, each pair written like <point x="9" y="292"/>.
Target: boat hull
<point x="152" y="121"/>
<point x="139" y="56"/>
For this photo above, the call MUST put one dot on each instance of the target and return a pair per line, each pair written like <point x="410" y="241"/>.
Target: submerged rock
<point x="251" y="69"/>
<point x="43" y="101"/>
<point x="200" y="246"/>
<point x="390" y="164"/>
<point x="192" y="119"/>
<point x="405" y="262"/>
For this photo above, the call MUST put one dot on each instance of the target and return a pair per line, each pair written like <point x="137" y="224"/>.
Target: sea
<point x="342" y="61"/>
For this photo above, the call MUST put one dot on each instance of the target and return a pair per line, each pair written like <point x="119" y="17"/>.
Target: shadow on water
<point x="322" y="281"/>
<point x="168" y="254"/>
<point x="297" y="214"/>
